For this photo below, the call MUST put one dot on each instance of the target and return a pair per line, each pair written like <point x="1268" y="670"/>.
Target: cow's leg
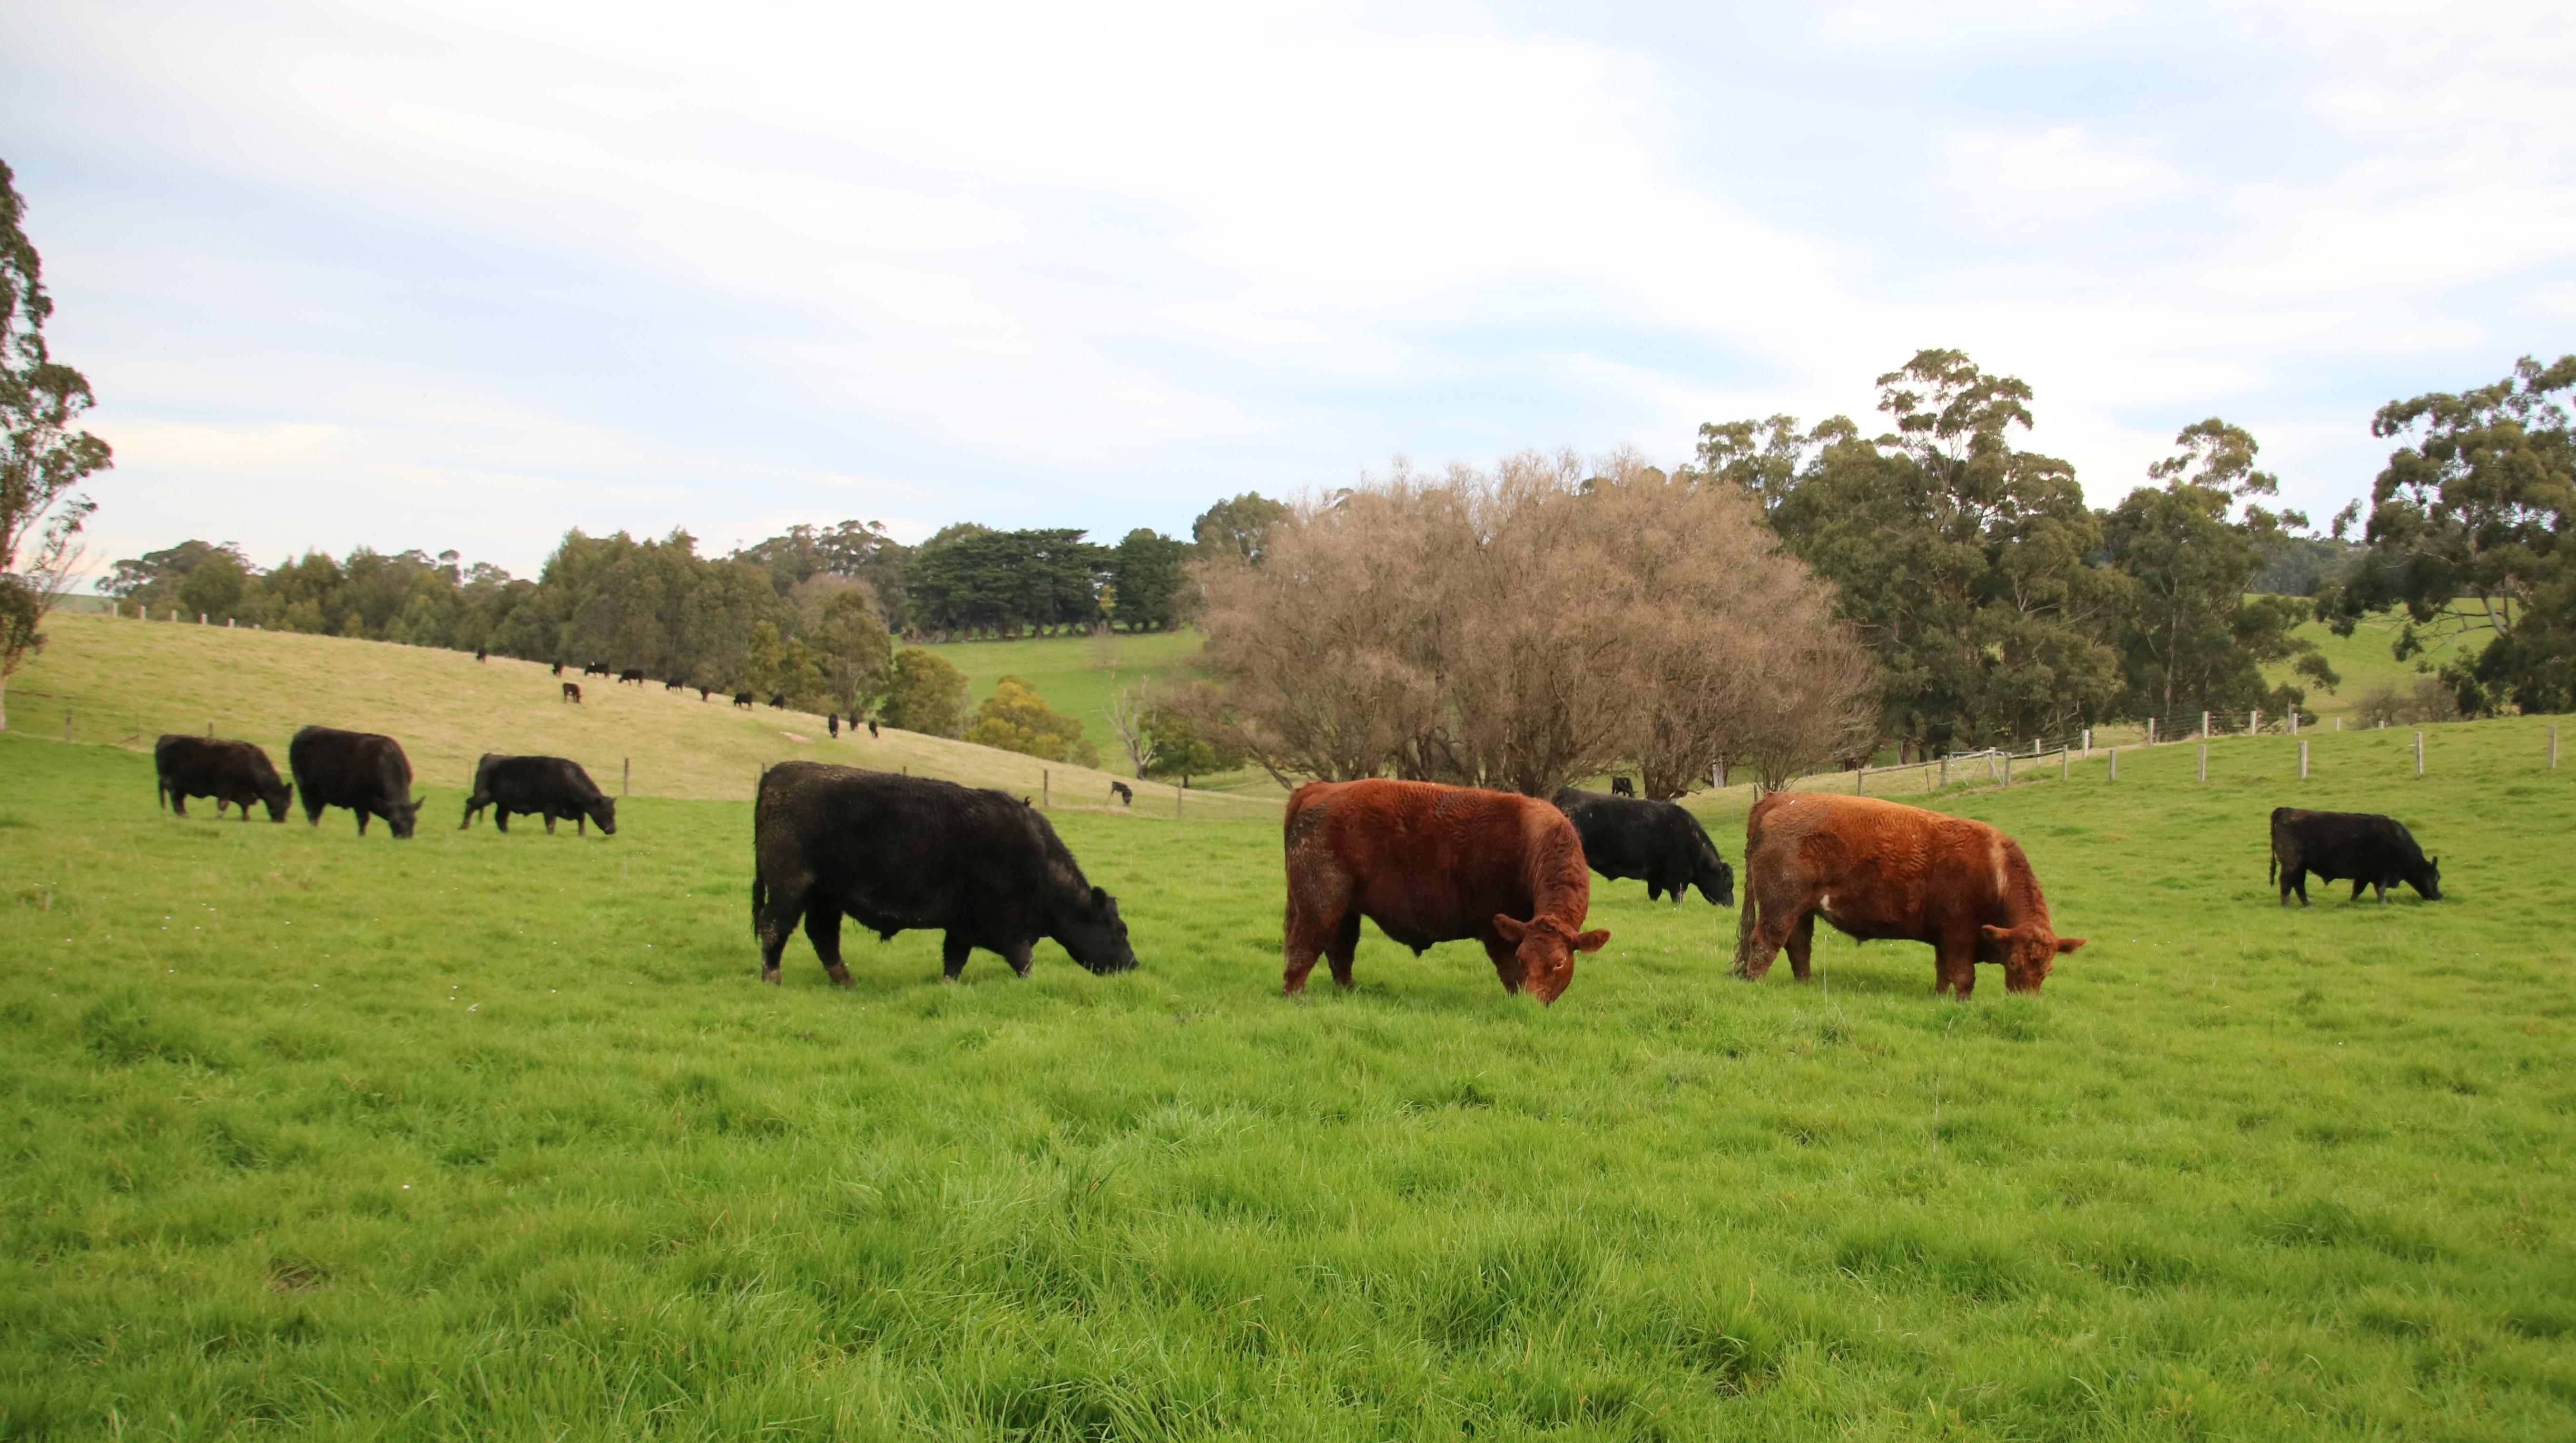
<point x="2357" y="884"/>
<point x="1954" y="964"/>
<point x="2380" y="889"/>
<point x="501" y="816"/>
<point x="953" y="948"/>
<point x="1766" y="928"/>
<point x="1343" y="946"/>
<point x="1801" y="941"/>
<point x="2302" y="874"/>
<point x="1018" y="955"/>
<point x="1319" y="903"/>
<point x="362" y="820"/>
<point x="550" y="823"/>
<point x="823" y="929"/>
<point x="775" y="910"/>
<point x="178" y="802"/>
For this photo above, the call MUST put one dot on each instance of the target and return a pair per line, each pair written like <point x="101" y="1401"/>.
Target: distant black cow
<point x="572" y="692"/>
<point x="1126" y="795"/>
<point x="478" y="653"/>
<point x="872" y="728"/>
<point x="742" y="699"/>
<point x="1657" y="842"/>
<point x="362" y="771"/>
<point x="832" y="724"/>
<point x="778" y="700"/>
<point x="899" y="852"/>
<point x="596" y="668"/>
<point x="703" y="691"/>
<point x="550" y="787"/>
<point x="634" y="674"/>
<point x="228" y="771"/>
<point x="558" y="668"/>
<point x="2374" y="851"/>
<point x="1622" y="787"/>
<point x="675" y="684"/>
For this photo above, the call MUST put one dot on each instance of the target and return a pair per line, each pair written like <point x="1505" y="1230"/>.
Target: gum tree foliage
<point x="2189" y="637"/>
<point x="925" y="694"/>
<point x="44" y="457"/>
<point x="2469" y="531"/>
<point x="858" y="550"/>
<point x="1238" y="527"/>
<point x="1959" y="559"/>
<point x="856" y="653"/>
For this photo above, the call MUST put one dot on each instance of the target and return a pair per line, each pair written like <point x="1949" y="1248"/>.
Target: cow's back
<point x="1885" y="869"/>
<point x="898" y="850"/>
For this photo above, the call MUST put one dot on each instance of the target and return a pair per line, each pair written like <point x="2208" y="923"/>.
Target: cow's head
<point x="401" y="815"/>
<point x="604" y="812"/>
<point x="2428" y="881"/>
<point x="2029" y="953"/>
<point x="278" y="801"/>
<point x="1095" y="934"/>
<point x="1715" y="879"/>
<point x="1546" y="949"/>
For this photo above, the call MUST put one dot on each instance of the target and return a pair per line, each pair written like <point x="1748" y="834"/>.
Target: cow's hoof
<point x="840" y="976"/>
<point x="769" y="975"/>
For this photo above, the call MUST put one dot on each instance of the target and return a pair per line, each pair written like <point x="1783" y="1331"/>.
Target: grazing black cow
<point x="228" y="771"/>
<point x="634" y="674"/>
<point x="596" y="668"/>
<point x="872" y="728"/>
<point x="832" y="724"/>
<point x="675" y="684"/>
<point x="362" y="771"/>
<point x="1622" y="787"/>
<point x="778" y="701"/>
<point x="702" y="692"/>
<point x="1126" y="795"/>
<point x="550" y="787"/>
<point x="2374" y="851"/>
<point x="742" y="699"/>
<point x="478" y="653"/>
<point x="900" y="852"/>
<point x="558" y="668"/>
<point x="1656" y="842"/>
<point x="572" y="693"/>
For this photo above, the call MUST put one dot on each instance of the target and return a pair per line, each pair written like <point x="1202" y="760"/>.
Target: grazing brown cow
<point x="1877" y="870"/>
<point x="1428" y="864"/>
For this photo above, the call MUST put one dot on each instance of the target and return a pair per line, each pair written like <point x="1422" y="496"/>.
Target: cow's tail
<point x="1747" y="920"/>
<point x="2272" y="870"/>
<point x="759" y="874"/>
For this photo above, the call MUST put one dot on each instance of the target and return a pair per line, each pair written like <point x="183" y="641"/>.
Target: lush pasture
<point x="476" y="1136"/>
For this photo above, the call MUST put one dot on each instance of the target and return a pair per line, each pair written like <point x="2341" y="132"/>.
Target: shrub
<point x="926" y="695"/>
<point x="2426" y="699"/>
<point x="1016" y="719"/>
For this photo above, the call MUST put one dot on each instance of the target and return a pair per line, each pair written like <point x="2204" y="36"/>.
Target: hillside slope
<point x="125" y="682"/>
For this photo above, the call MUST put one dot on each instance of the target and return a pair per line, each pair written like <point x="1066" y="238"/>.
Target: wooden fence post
<point x="2088" y="744"/>
<point x="2065" y="763"/>
<point x="2204" y="761"/>
<point x="2553" y="746"/>
<point x="2007" y="756"/>
<point x="2115" y="764"/>
<point x="2303" y="759"/>
<point x="2419" y="754"/>
<point x="1046" y="787"/>
<point x="1859" y="788"/>
<point x="2204" y="726"/>
<point x="625" y="774"/>
<point x="2151" y="731"/>
<point x="1945" y="769"/>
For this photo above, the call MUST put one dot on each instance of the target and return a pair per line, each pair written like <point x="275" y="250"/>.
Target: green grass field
<point x="478" y="1136"/>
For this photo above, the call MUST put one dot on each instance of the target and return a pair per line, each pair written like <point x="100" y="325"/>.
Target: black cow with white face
<point x="555" y="788"/>
<point x="1657" y="842"/>
<point x="228" y="771"/>
<point x="362" y="771"/>
<point x="899" y="852"/>
<point x="2374" y="851"/>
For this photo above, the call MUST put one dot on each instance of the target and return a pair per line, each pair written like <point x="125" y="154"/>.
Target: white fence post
<point x="2115" y="764"/>
<point x="2151" y="731"/>
<point x="2204" y="726"/>
<point x="2088" y="744"/>
<point x="2303" y="759"/>
<point x="2007" y="756"/>
<point x="2419" y="754"/>
<point x="2254" y="722"/>
<point x="2553" y="746"/>
<point x="2204" y="761"/>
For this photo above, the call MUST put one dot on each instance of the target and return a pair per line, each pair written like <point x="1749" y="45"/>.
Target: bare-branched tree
<point x="1129" y="706"/>
<point x="1525" y="626"/>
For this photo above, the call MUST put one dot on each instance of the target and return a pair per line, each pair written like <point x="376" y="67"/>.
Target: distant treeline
<point x="789" y="614"/>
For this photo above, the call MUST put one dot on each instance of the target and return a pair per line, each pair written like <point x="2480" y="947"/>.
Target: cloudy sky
<point x="466" y="275"/>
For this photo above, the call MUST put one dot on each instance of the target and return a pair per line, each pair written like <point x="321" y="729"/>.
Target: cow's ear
<point x="1995" y="933"/>
<point x="1592" y="941"/>
<point x="2069" y="944"/>
<point x="1510" y="930"/>
<point x="1099" y="900"/>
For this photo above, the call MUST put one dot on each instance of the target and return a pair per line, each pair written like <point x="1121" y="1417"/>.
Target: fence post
<point x="625" y="774"/>
<point x="2088" y="744"/>
<point x="2115" y="764"/>
<point x="2419" y="754"/>
<point x="2303" y="759"/>
<point x="2553" y="746"/>
<point x="1046" y="787"/>
<point x="1180" y="798"/>
<point x="2294" y="721"/>
<point x="1945" y="769"/>
<point x="67" y="723"/>
<point x="1859" y="788"/>
<point x="2338" y="723"/>
<point x="2065" y="763"/>
<point x="2204" y="726"/>
<point x="2204" y="761"/>
<point x="2254" y="722"/>
<point x="2151" y="731"/>
<point x="2007" y="756"/>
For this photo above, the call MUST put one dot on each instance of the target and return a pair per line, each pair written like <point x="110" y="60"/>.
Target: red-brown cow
<point x="1430" y="864"/>
<point x="1877" y="870"/>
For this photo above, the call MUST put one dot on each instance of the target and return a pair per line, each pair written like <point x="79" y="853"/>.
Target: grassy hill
<point x="478" y="1136"/>
<point x="124" y="682"/>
